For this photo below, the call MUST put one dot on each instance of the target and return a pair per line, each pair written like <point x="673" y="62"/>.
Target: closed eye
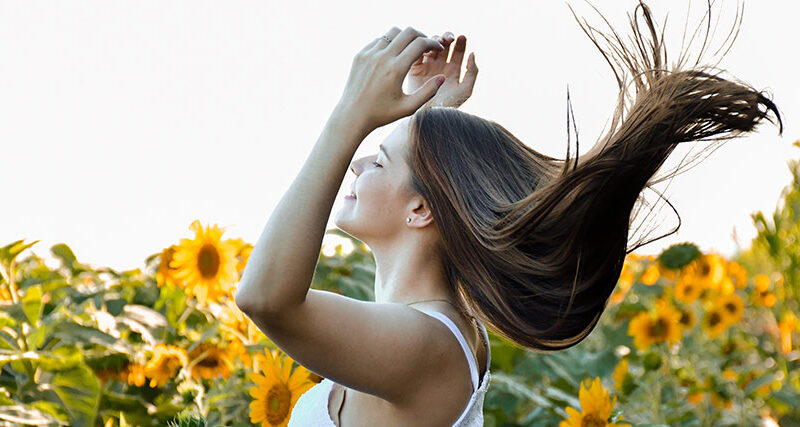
<point x="377" y="164"/>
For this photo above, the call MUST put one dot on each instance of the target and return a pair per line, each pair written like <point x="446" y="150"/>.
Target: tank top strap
<point x="473" y="365"/>
<point x="488" y="347"/>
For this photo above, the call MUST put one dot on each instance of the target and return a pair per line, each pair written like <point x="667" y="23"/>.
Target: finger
<point x="471" y="74"/>
<point x="458" y="52"/>
<point x="419" y="97"/>
<point x="414" y="50"/>
<point x="433" y="54"/>
<point x="379" y="43"/>
<point x="404" y="39"/>
<point x="448" y="38"/>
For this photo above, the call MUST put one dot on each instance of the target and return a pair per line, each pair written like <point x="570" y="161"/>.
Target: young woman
<point x="465" y="222"/>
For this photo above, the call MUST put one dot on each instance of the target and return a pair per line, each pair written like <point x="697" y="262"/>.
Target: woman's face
<point x="382" y="198"/>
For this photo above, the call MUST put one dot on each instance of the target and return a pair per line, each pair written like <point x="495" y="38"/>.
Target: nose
<point x="356" y="167"/>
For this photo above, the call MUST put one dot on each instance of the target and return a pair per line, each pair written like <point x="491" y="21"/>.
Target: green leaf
<point x="10" y="251"/>
<point x="67" y="257"/>
<point x="32" y="304"/>
<point x="652" y="361"/>
<point x="73" y="333"/>
<point x="561" y="395"/>
<point x="679" y="255"/>
<point x="758" y="382"/>
<point x="21" y="414"/>
<point x="79" y="391"/>
<point x="64" y="357"/>
<point x="36" y="338"/>
<point x="515" y="386"/>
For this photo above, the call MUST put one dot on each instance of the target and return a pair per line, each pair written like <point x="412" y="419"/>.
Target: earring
<point x="408" y="220"/>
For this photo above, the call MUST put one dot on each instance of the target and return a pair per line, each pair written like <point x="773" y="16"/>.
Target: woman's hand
<point x="373" y="94"/>
<point x="452" y="93"/>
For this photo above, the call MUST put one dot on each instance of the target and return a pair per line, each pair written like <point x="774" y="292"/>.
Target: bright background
<point x="121" y="122"/>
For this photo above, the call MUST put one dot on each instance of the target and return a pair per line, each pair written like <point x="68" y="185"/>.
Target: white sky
<point x="123" y="121"/>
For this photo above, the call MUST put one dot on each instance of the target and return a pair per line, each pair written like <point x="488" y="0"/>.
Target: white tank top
<point x="311" y="408"/>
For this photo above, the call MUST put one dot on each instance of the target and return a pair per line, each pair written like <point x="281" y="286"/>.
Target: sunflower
<point x="243" y="251"/>
<point x="619" y="374"/>
<point x="210" y="361"/>
<point x="720" y="402"/>
<point x="714" y="321"/>
<point x="276" y="391"/>
<point x="726" y="286"/>
<point x="762" y="295"/>
<point x="647" y="329"/>
<point x="687" y="319"/>
<point x="687" y="289"/>
<point x="206" y="265"/>
<point x="696" y="397"/>
<point x="737" y="273"/>
<point x="708" y="269"/>
<point x="787" y="324"/>
<point x="133" y="374"/>
<point x="236" y="329"/>
<point x="733" y="305"/>
<point x="167" y="360"/>
<point x="595" y="405"/>
<point x="166" y="274"/>
<point x="650" y="274"/>
<point x="624" y="283"/>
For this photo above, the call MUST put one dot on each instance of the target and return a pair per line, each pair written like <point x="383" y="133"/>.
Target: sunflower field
<point x="688" y="339"/>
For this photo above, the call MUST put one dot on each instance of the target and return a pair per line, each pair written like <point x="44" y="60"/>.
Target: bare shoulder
<point x="387" y="350"/>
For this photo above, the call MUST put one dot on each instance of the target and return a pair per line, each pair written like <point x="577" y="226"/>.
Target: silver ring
<point x="388" y="40"/>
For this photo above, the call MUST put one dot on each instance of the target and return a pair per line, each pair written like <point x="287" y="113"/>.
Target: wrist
<point x="350" y="116"/>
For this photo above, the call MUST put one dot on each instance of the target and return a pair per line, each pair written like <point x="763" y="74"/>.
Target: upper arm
<point x="384" y="349"/>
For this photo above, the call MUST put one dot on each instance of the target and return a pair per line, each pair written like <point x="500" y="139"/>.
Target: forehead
<point x="396" y="141"/>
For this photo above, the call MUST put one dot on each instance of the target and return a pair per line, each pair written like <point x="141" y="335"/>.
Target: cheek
<point x="377" y="197"/>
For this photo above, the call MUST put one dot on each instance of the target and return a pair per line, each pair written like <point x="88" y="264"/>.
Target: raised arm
<point x="281" y="266"/>
<point x="323" y="331"/>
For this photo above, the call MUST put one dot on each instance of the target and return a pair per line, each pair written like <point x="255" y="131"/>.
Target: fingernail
<point x="440" y="80"/>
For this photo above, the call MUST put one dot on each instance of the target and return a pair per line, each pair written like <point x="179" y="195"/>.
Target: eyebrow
<point x="380" y="146"/>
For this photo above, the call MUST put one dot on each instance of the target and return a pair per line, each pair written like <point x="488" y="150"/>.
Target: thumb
<point x="424" y="93"/>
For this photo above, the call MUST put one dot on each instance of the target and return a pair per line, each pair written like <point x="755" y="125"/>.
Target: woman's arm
<point x="280" y="268"/>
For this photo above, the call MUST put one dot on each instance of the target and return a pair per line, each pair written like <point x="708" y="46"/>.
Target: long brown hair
<point x="534" y="245"/>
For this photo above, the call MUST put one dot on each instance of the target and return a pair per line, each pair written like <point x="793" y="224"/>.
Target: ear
<point x="421" y="215"/>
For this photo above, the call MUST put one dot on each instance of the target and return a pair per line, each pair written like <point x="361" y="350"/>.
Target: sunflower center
<point x="658" y="328"/>
<point x="209" y="362"/>
<point x="684" y="318"/>
<point x="277" y="403"/>
<point x="208" y="261"/>
<point x="731" y="307"/>
<point x="591" y="420"/>
<point x="714" y="319"/>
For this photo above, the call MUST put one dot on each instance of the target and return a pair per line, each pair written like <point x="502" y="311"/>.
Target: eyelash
<point x="377" y="164"/>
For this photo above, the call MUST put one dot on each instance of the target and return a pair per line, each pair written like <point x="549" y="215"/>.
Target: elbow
<point x="248" y="303"/>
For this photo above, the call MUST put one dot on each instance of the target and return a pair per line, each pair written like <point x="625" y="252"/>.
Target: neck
<point x="409" y="272"/>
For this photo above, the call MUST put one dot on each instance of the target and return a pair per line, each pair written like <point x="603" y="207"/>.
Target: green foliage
<point x="679" y="255"/>
<point x="69" y="337"/>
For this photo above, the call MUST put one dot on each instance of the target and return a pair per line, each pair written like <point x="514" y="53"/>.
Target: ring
<point x="388" y="40"/>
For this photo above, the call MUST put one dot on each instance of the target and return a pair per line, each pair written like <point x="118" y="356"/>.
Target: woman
<point x="465" y="222"/>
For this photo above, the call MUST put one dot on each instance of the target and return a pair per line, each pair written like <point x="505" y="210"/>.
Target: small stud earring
<point x="408" y="220"/>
